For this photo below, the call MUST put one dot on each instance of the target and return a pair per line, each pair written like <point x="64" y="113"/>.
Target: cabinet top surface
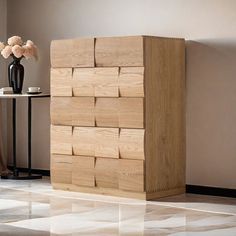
<point x="128" y="36"/>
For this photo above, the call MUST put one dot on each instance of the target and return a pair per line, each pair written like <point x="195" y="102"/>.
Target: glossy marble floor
<point x="34" y="208"/>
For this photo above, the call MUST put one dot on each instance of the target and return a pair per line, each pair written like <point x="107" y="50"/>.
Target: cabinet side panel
<point x="164" y="114"/>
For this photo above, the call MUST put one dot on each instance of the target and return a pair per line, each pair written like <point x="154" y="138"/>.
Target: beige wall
<point x="210" y="27"/>
<point x="3" y="33"/>
<point x="3" y="78"/>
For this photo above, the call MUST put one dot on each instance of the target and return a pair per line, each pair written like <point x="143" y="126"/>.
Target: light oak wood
<point x="131" y="144"/>
<point x="164" y="114"/>
<point x="61" y="110"/>
<point x="165" y="193"/>
<point x="131" y="82"/>
<point x="83" y="82"/>
<point x="125" y="113"/>
<point x="61" y="82"/>
<point x="72" y="53"/>
<point x="84" y="141"/>
<point x="61" y="140"/>
<point x="106" y="172"/>
<point x="72" y="111"/>
<point x="119" y="51"/>
<point x="106" y="144"/>
<point x="103" y="112"/>
<point x="82" y="109"/>
<point x="131" y="113"/>
<point x="106" y="82"/>
<point x="99" y="82"/>
<point x="83" y="171"/>
<point x="61" y="169"/>
<point x="106" y="112"/>
<point x="102" y="191"/>
<point x="131" y="175"/>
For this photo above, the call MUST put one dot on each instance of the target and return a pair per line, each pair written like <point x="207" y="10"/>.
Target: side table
<point x="15" y="175"/>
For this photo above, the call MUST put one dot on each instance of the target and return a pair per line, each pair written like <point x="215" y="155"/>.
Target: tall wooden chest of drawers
<point x="118" y="116"/>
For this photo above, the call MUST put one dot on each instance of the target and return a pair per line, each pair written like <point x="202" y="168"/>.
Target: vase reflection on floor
<point x="16" y="75"/>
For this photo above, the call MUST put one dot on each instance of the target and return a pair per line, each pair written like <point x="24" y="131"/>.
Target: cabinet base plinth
<point x="118" y="192"/>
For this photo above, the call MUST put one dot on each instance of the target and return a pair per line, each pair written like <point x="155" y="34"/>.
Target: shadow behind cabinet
<point x="118" y="116"/>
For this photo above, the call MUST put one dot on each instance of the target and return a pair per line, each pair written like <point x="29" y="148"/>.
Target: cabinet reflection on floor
<point x="34" y="208"/>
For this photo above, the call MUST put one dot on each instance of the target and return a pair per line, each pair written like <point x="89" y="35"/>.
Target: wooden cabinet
<point x="118" y="116"/>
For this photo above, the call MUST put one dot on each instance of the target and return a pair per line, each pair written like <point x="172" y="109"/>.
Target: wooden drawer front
<point x="131" y="175"/>
<point x="83" y="82"/>
<point x="106" y="82"/>
<point x="106" y="112"/>
<point x="106" y="144"/>
<point x="61" y="169"/>
<point x="72" y="111"/>
<point x="72" y="53"/>
<point x="131" y="144"/>
<point x="61" y="140"/>
<point x="106" y="172"/>
<point x="84" y="141"/>
<point x="83" y="111"/>
<point x="131" y="112"/>
<point x="61" y="82"/>
<point x="119" y="51"/>
<point x="131" y="82"/>
<point x="83" y="171"/>
<point x="61" y="110"/>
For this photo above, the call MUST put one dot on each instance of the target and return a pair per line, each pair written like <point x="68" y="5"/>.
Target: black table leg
<point x="15" y="172"/>
<point x="30" y="175"/>
<point x="29" y="135"/>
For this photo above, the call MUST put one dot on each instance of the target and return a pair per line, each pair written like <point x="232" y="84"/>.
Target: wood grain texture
<point x="99" y="190"/>
<point x="61" y="82"/>
<point x="125" y="117"/>
<point x="72" y="53"/>
<point x="119" y="51"/>
<point x="165" y="193"/>
<point x="61" y="110"/>
<point x="61" y="169"/>
<point x="72" y="111"/>
<point x="106" y="82"/>
<point x="131" y="113"/>
<point x="84" y="141"/>
<point x="83" y="171"/>
<point x="106" y="172"/>
<point x="82" y="109"/>
<point x="106" y="144"/>
<point x="131" y="175"/>
<point x="131" y="144"/>
<point x="61" y="140"/>
<point x="131" y="82"/>
<point x="164" y="114"/>
<point x="83" y="82"/>
<point x="106" y="112"/>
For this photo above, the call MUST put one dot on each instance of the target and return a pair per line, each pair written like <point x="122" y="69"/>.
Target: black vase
<point x="16" y="75"/>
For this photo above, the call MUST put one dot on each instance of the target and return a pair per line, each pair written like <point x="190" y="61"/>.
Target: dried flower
<point x="17" y="51"/>
<point x="15" y="40"/>
<point x="35" y="50"/>
<point x="29" y="43"/>
<point x="2" y="46"/>
<point x="28" y="52"/>
<point x="18" y="48"/>
<point x="7" y="51"/>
